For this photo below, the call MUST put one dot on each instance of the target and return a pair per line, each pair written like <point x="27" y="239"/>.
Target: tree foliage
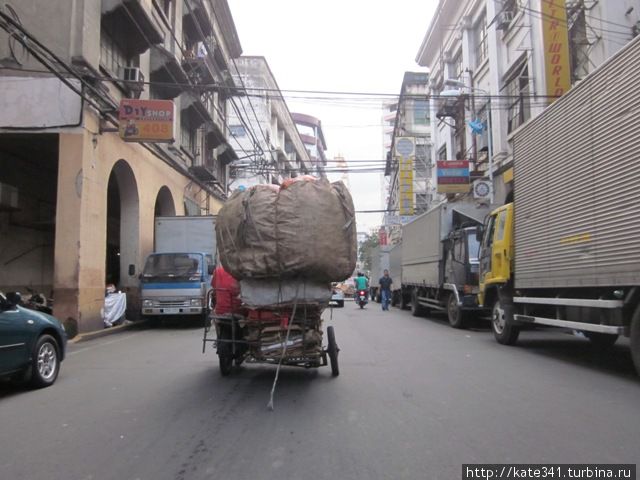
<point x="364" y="255"/>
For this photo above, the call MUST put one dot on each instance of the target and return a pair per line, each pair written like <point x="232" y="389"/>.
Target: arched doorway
<point x="165" y="207"/>
<point x="123" y="220"/>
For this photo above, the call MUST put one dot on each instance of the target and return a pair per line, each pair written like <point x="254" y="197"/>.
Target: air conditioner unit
<point x="134" y="79"/>
<point x="504" y="19"/>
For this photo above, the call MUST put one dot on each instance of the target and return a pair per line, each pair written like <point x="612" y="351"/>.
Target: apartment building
<point x="78" y="202"/>
<point x="263" y="131"/>
<point x="495" y="64"/>
<point x="411" y="121"/>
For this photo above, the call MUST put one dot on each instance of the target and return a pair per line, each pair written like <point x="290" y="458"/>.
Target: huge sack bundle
<point x="306" y="229"/>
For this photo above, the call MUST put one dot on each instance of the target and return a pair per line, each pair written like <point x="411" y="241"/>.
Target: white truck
<point x="440" y="261"/>
<point x="395" y="272"/>
<point x="176" y="280"/>
<point x="379" y="263"/>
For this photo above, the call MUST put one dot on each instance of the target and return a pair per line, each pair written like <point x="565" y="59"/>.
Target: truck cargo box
<point x="577" y="183"/>
<point x="395" y="264"/>
<point x="422" y="247"/>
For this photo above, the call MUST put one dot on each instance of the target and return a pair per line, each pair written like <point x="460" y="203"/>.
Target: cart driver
<point x="227" y="292"/>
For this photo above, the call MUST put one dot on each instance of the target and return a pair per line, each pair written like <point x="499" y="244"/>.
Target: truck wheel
<point x="417" y="310"/>
<point x="457" y="318"/>
<point x="635" y="339"/>
<point x="504" y="331"/>
<point x="601" y="340"/>
<point x="403" y="301"/>
<point x="332" y="350"/>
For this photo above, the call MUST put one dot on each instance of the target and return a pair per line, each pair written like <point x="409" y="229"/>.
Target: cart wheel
<point x="333" y="350"/>
<point x="226" y="362"/>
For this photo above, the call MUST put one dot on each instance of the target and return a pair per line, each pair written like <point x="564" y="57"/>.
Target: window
<point x="442" y="153"/>
<point x="480" y="39"/>
<point x="579" y="44"/>
<point x="517" y="91"/>
<point x="502" y="221"/>
<point x="510" y="6"/>
<point x="482" y="140"/>
<point x="113" y="56"/>
<point x="421" y="112"/>
<point x="187" y="135"/>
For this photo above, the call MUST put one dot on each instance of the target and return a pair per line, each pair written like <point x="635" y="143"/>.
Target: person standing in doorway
<point x="385" y="289"/>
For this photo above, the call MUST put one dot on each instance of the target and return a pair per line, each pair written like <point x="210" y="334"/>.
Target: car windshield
<point x="173" y="265"/>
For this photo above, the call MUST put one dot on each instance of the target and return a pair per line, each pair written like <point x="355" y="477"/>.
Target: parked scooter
<point x="362" y="298"/>
<point x="37" y="301"/>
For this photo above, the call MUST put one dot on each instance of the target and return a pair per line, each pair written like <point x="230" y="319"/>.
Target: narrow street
<point x="415" y="399"/>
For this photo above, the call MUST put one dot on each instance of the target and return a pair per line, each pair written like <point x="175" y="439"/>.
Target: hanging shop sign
<point x="453" y="176"/>
<point x="556" y="47"/>
<point x="147" y="120"/>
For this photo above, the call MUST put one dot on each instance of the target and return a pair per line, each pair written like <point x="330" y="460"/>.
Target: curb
<point x="83" y="337"/>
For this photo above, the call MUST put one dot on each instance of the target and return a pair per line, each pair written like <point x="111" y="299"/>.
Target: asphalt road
<point x="415" y="399"/>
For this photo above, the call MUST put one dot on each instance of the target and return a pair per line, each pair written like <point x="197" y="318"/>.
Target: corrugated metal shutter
<point x="577" y="183"/>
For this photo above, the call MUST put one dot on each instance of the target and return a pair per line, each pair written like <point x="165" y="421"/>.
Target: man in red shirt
<point x="227" y="291"/>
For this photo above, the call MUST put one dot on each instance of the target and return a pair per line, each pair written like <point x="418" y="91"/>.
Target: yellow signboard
<point x="556" y="47"/>
<point x="405" y="184"/>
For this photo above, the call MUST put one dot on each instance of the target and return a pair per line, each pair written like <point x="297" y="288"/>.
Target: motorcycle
<point x="362" y="298"/>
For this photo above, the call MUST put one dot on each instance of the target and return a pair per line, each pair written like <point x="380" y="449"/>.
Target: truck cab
<point x="176" y="284"/>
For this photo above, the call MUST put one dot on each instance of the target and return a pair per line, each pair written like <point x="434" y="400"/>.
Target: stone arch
<point x="165" y="205"/>
<point x="123" y="224"/>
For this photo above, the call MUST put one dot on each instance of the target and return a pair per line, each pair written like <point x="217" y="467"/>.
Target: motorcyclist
<point x="361" y="284"/>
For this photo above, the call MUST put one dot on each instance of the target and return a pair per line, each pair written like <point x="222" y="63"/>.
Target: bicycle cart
<point x="285" y="336"/>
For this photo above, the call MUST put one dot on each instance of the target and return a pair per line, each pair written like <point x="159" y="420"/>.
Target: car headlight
<point x="147" y="303"/>
<point x="196" y="302"/>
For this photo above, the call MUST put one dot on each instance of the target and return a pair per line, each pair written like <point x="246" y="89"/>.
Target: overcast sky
<point x="339" y="46"/>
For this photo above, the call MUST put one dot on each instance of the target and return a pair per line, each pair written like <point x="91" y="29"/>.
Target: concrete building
<point x="412" y="120"/>
<point x="78" y="203"/>
<point x="312" y="135"/>
<point x="263" y="131"/>
<point x="499" y="63"/>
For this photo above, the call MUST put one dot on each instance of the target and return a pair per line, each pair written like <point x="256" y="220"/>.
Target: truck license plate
<point x="171" y="310"/>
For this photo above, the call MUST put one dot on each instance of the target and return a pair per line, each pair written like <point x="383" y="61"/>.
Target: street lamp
<point x="457" y="83"/>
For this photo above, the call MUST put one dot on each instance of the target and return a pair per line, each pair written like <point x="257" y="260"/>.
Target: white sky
<point x="339" y="45"/>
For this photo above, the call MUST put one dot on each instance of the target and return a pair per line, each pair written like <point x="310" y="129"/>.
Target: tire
<point x="332" y="351"/>
<point x="635" y="339"/>
<point x="45" y="364"/>
<point x="457" y="317"/>
<point x="226" y="364"/>
<point x="504" y="331"/>
<point x="601" y="340"/>
<point x="417" y="310"/>
<point x="403" y="301"/>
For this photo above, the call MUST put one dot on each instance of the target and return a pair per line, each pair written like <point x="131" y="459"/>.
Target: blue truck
<point x="176" y="279"/>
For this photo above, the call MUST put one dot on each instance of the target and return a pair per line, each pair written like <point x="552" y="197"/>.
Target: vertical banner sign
<point x="405" y="150"/>
<point x="453" y="176"/>
<point x="555" y="33"/>
<point x="382" y="236"/>
<point x="146" y="120"/>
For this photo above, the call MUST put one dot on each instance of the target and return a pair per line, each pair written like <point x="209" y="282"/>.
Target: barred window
<point x="518" y="91"/>
<point x="421" y="112"/>
<point x="456" y="66"/>
<point x="480" y="39"/>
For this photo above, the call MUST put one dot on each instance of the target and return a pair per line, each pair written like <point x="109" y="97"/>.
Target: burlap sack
<point x="316" y="230"/>
<point x="306" y="230"/>
<point x="246" y="233"/>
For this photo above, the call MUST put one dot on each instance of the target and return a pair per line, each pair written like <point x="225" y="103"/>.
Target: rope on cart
<point x="284" y="349"/>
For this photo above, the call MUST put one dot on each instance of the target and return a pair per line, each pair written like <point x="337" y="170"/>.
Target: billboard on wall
<point x="146" y="120"/>
<point x="556" y="47"/>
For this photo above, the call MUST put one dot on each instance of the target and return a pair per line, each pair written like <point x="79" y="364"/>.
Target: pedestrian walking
<point x="385" y="289"/>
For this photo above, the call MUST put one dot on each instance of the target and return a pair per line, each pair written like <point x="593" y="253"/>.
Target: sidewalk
<point x="127" y="325"/>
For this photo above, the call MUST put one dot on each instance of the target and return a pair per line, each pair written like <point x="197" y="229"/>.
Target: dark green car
<point x="32" y="344"/>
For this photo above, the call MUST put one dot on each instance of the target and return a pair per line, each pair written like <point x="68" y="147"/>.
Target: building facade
<point x="263" y="132"/>
<point x="312" y="135"/>
<point x="495" y="64"/>
<point x="412" y="120"/>
<point x="82" y="201"/>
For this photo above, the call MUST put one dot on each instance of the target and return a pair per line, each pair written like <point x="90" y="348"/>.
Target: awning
<point x="134" y="17"/>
